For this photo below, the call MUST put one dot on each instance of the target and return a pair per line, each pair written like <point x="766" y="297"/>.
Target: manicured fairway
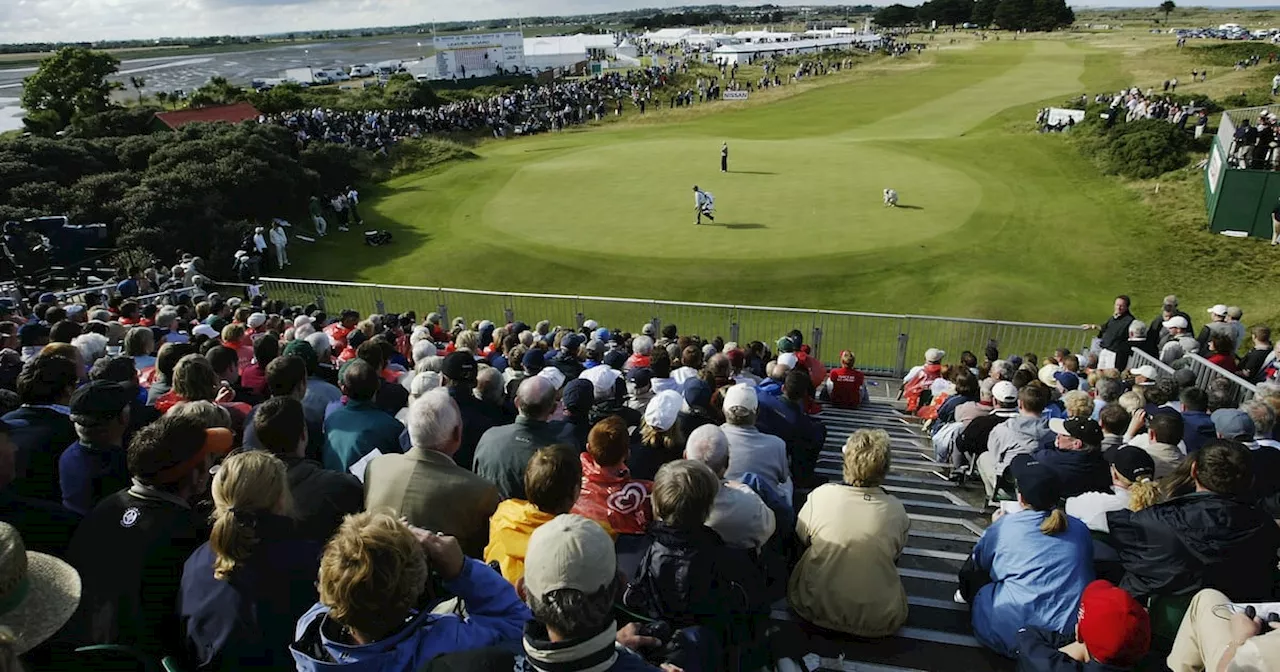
<point x="1000" y="222"/>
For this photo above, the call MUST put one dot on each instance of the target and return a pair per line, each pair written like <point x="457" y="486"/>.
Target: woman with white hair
<point x="852" y="533"/>
<point x="642" y="347"/>
<point x="92" y="347"/>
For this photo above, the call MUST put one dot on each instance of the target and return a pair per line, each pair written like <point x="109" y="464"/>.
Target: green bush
<point x="1139" y="149"/>
<point x="1232" y="52"/>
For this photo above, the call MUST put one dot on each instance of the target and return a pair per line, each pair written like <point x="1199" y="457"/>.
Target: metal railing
<point x="1207" y="372"/>
<point x="1140" y="358"/>
<point x="883" y="343"/>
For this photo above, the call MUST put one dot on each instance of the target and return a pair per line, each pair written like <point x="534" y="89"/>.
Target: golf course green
<point x="997" y="220"/>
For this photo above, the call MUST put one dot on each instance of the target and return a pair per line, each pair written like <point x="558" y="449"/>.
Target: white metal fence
<point x="883" y="343"/>
<point x="1207" y="372"/>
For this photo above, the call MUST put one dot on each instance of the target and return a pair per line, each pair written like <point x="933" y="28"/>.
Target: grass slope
<point x="1007" y="224"/>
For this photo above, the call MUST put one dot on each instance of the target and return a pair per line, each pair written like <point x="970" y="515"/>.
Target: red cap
<point x="1113" y="626"/>
<point x="737" y="358"/>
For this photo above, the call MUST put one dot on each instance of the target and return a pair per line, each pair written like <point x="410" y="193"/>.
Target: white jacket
<point x="278" y="237"/>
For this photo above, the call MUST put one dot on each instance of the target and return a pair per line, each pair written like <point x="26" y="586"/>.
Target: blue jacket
<point x="1197" y="428"/>
<point x="1078" y="471"/>
<point x="89" y="473"/>
<point x="494" y="614"/>
<point x="1038" y="652"/>
<point x="246" y="621"/>
<point x="1036" y="579"/>
<point x="356" y="429"/>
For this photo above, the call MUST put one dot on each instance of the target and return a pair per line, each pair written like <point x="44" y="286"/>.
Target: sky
<point x="88" y="20"/>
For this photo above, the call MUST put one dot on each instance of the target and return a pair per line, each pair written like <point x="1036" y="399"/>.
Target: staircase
<point x="946" y="521"/>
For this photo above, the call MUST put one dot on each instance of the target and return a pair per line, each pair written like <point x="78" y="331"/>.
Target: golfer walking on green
<point x="703" y="204"/>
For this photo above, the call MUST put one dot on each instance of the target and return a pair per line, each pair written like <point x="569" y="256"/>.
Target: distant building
<point x="748" y="53"/>
<point x="231" y="114"/>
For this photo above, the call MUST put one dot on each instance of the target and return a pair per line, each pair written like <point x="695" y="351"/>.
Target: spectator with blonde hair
<point x="852" y="533"/>
<point x="242" y="588"/>
<point x="1078" y="404"/>
<point x="1132" y="488"/>
<point x="375" y="602"/>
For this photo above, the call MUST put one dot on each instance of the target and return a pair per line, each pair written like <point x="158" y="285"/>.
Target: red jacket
<point x="637" y="362"/>
<point x="846" y="387"/>
<point x="611" y="495"/>
<point x="337" y="336"/>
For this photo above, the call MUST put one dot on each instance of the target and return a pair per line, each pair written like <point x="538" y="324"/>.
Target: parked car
<point x="362" y="70"/>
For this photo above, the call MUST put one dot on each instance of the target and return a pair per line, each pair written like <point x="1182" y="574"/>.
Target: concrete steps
<point x="946" y="521"/>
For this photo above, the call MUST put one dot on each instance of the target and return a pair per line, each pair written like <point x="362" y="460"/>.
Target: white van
<point x="362" y="70"/>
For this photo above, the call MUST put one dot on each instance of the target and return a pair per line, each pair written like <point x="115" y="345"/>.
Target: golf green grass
<point x="999" y="222"/>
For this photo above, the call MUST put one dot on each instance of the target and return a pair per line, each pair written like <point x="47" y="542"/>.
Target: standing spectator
<point x="1114" y="335"/>
<point x="242" y="588"/>
<point x="552" y="480"/>
<point x="41" y="428"/>
<point x="1030" y="567"/>
<point x="317" y="218"/>
<point x="609" y="494"/>
<point x="1113" y="633"/>
<point x="739" y="516"/>
<point x="750" y="450"/>
<point x="852" y="534"/>
<point x="503" y="452"/>
<point x="460" y="373"/>
<point x="151" y="528"/>
<point x="374" y="610"/>
<point x="1217" y="325"/>
<point x="846" y="383"/>
<point x="426" y="486"/>
<point x="95" y="465"/>
<point x="320" y="497"/>
<point x="1210" y="538"/>
<point x="358" y="427"/>
<point x="1222" y="352"/>
<point x="280" y="240"/>
<point x="1253" y="364"/>
<point x="40" y="591"/>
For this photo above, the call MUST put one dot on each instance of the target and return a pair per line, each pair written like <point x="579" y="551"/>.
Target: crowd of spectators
<point x="257" y="485"/>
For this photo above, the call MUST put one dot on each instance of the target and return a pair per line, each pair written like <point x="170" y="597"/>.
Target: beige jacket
<point x="847" y="579"/>
<point x="434" y="493"/>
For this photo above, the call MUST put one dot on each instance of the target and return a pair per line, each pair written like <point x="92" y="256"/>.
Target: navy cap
<point x="99" y="400"/>
<point x="615" y="359"/>
<point x="1083" y="429"/>
<point x="459" y="365"/>
<point x="697" y="393"/>
<point x="572" y="342"/>
<point x="641" y="377"/>
<point x="33" y="333"/>
<point x="356" y="338"/>
<point x="578" y="396"/>
<point x="1133" y="463"/>
<point x="1037" y="483"/>
<point x="1068" y="380"/>
<point x="48" y="297"/>
<point x="533" y="361"/>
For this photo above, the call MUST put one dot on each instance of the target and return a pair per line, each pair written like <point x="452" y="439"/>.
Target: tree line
<point x="1040" y="15"/>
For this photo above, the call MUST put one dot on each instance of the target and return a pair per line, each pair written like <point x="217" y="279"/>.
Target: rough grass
<point x="1013" y="225"/>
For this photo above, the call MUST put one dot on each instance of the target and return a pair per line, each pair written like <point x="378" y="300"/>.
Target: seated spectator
<point x="1131" y="488"/>
<point x="492" y="394"/>
<point x="966" y="391"/>
<point x="688" y="576"/>
<point x="46" y="526"/>
<point x="639" y="389"/>
<point x="1197" y="425"/>
<point x="321" y="392"/>
<point x="1207" y="539"/>
<point x="391" y="396"/>
<point x="121" y="370"/>
<point x="1209" y="640"/>
<point x="194" y="380"/>
<point x="552" y="480"/>
<point x="375" y="600"/>
<point x="320" y="497"/>
<point x="1076" y="458"/>
<point x="1164" y="432"/>
<point x="1266" y="457"/>
<point x="358" y="427"/>
<point x="150" y="529"/>
<point x="1235" y="425"/>
<point x="41" y="592"/>
<point x="697" y="406"/>
<point x="916" y="383"/>
<point x="660" y="364"/>
<point x="750" y="450"/>
<point x="253" y="376"/>
<point x="1030" y="567"/>
<point x="610" y="396"/>
<point x="1021" y="435"/>
<point x="243" y="587"/>
<point x="460" y="373"/>
<point x="576" y="398"/>
<point x="660" y="438"/>
<point x="426" y="486"/>
<point x="96" y="465"/>
<point x="972" y="440"/>
<point x="166" y="360"/>
<point x="41" y="428"/>
<point x="642" y="347"/>
<point x="1112" y="633"/>
<point x="609" y="494"/>
<point x="852" y="534"/>
<point x="1114" y="421"/>
<point x="504" y="451"/>
<point x="741" y="518"/>
<point x="1078" y="404"/>
<point x="846" y="383"/>
<point x="786" y="416"/>
<point x="287" y="377"/>
<point x="140" y="344"/>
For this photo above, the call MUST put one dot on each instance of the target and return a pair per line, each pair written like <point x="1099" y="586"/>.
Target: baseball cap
<point x="551" y="373"/>
<point x="75" y="309"/>
<point x="1146" y="371"/>
<point x="303" y="319"/>
<point x="570" y="552"/>
<point x="32" y="333"/>
<point x="257" y="320"/>
<point x="1177" y="321"/>
<point x="741" y="395"/>
<point x="578" y="396"/>
<point x="459" y="365"/>
<point x="1084" y="429"/>
<point x="1112" y="625"/>
<point x="786" y="345"/>
<point x="303" y="350"/>
<point x="1132" y="462"/>
<point x="663" y="409"/>
<point x="1036" y="482"/>
<point x="99" y="400"/>
<point x="934" y="355"/>
<point x="615" y="359"/>
<point x="1233" y="423"/>
<point x="641" y="377"/>
<point x="204" y="330"/>
<point x="602" y="379"/>
<point x="1218" y="309"/>
<point x="595" y="348"/>
<point x="788" y="359"/>
<point x="1004" y="391"/>
<point x="49" y="297"/>
<point x="572" y="342"/>
<point x="217" y="441"/>
<point x="591" y="324"/>
<point x="1185" y="377"/>
<point x="697" y="394"/>
<point x="1068" y="380"/>
<point x="533" y="361"/>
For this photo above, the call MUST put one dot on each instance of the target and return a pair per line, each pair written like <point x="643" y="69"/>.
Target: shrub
<point x="1233" y="52"/>
<point x="1141" y="149"/>
<point x="414" y="156"/>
